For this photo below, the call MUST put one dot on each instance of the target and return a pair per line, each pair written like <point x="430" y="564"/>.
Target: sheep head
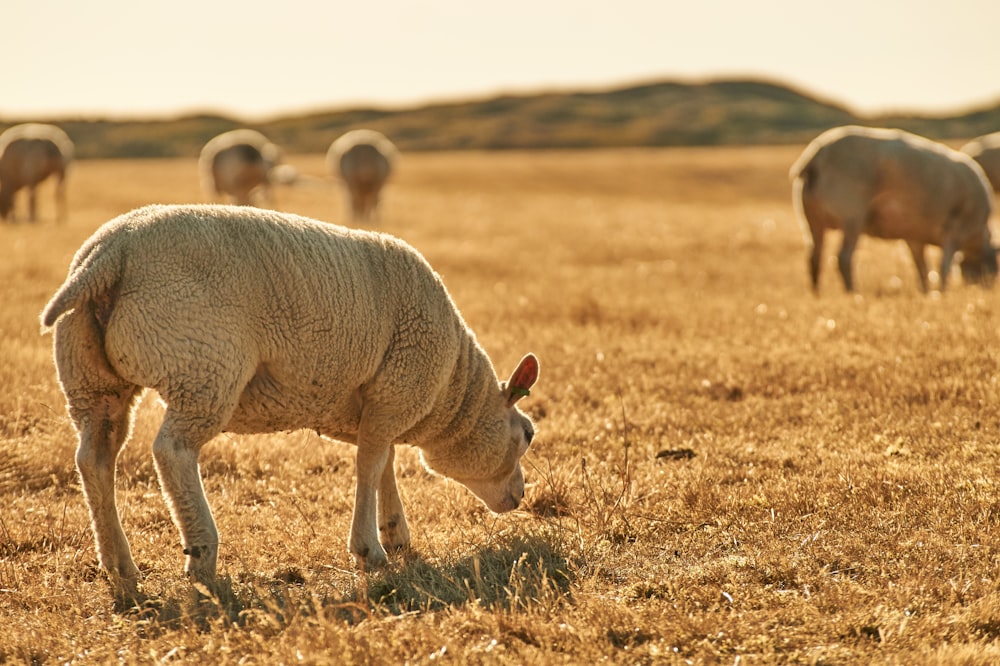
<point x="488" y="462"/>
<point x="981" y="269"/>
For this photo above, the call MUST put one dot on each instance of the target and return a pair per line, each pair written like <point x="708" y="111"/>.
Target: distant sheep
<point x="29" y="154"/>
<point x="892" y="184"/>
<point x="252" y="321"/>
<point x="239" y="164"/>
<point x="364" y="161"/>
<point x="986" y="151"/>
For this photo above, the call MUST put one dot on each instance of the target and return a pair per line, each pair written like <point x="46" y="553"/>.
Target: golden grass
<point x="726" y="466"/>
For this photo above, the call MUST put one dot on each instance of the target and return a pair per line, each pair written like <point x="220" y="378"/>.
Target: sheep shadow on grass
<point x="513" y="575"/>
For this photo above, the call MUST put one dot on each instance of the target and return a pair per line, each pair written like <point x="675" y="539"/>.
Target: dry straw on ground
<point x="727" y="468"/>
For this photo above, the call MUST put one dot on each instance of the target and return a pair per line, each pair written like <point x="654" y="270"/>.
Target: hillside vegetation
<point x="735" y="112"/>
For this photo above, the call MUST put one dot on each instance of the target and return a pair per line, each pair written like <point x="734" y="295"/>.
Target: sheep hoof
<point x="394" y="535"/>
<point x="371" y="558"/>
<point x="125" y="593"/>
<point x="200" y="564"/>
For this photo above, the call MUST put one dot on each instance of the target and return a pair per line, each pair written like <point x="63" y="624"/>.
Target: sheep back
<point x="278" y="321"/>
<point x="895" y="184"/>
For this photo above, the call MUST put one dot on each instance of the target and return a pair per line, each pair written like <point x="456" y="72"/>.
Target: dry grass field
<point x="727" y="469"/>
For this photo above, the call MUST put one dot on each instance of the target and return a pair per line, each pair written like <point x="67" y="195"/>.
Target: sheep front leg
<point x="372" y="458"/>
<point x="917" y="250"/>
<point x="393" y="530"/>
<point x="175" y="452"/>
<point x="948" y="250"/>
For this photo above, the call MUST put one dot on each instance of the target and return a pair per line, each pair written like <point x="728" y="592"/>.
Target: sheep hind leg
<point x="394" y="533"/>
<point x="358" y="206"/>
<point x="61" y="197"/>
<point x="32" y="204"/>
<point x="175" y="452"/>
<point x="846" y="256"/>
<point x="816" y="259"/>
<point x="100" y="404"/>
<point x="104" y="424"/>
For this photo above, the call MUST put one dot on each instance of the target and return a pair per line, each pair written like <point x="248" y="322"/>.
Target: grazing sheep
<point x="239" y="164"/>
<point x="364" y="160"/>
<point x="253" y="321"/>
<point x="29" y="154"/>
<point x="892" y="184"/>
<point x="986" y="151"/>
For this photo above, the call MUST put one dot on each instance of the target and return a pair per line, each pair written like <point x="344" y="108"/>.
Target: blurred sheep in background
<point x="364" y="160"/>
<point x="29" y="154"/>
<point x="239" y="164"/>
<point x="892" y="184"/>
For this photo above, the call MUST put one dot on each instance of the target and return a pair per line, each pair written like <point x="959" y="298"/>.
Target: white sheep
<point x="986" y="151"/>
<point x="29" y="154"/>
<point x="893" y="184"/>
<point x="253" y="321"/>
<point x="364" y="160"/>
<point x="239" y="164"/>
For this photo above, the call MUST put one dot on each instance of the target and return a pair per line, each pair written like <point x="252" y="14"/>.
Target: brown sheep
<point x="29" y="154"/>
<point x="364" y="161"/>
<point x="893" y="184"/>
<point x="239" y="164"/>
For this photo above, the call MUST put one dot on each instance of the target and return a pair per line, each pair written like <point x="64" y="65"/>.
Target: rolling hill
<point x="722" y="112"/>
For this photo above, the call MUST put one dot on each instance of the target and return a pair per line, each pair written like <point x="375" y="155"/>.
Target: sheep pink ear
<point x="522" y="379"/>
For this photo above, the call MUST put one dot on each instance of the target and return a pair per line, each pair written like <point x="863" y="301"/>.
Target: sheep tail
<point x="93" y="276"/>
<point x="804" y="166"/>
<point x="803" y="174"/>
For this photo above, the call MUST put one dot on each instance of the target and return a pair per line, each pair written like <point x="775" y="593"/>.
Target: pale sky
<point x="138" y="58"/>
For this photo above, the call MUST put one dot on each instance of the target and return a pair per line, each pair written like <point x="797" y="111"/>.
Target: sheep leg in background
<point x="371" y="205"/>
<point x="917" y="250"/>
<point x="61" y="197"/>
<point x="32" y="204"/>
<point x="393" y="530"/>
<point x="948" y="250"/>
<point x="846" y="254"/>
<point x="816" y="257"/>
<point x="175" y="452"/>
<point x="358" y="203"/>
